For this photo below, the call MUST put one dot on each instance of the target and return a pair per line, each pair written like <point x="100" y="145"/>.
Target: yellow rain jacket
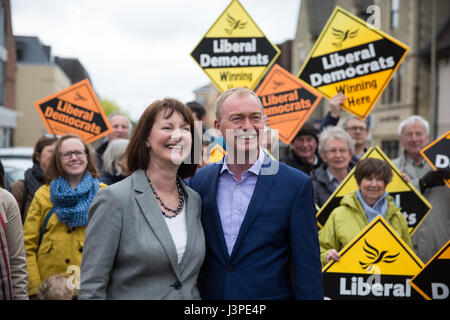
<point x="61" y="247"/>
<point x="348" y="220"/>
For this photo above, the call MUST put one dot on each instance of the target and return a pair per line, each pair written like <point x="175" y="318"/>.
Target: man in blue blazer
<point x="257" y="214"/>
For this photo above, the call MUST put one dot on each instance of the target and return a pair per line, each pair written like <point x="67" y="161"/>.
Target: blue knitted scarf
<point x="71" y="205"/>
<point x="379" y="208"/>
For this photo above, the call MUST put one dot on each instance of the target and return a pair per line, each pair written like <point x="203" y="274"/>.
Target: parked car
<point x="16" y="161"/>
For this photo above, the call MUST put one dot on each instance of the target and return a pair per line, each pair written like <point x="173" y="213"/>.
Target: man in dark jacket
<point x="303" y="149"/>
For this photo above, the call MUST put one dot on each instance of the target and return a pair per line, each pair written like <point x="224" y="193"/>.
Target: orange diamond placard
<point x="287" y="102"/>
<point x="75" y="109"/>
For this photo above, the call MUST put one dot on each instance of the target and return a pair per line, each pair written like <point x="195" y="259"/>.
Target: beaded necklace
<point x="180" y="202"/>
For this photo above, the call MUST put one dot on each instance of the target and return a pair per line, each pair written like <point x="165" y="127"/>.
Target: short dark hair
<point x="137" y="152"/>
<point x="44" y="140"/>
<point x="369" y="167"/>
<point x="55" y="169"/>
<point x="196" y="108"/>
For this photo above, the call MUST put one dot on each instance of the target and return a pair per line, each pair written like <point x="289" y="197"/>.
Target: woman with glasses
<point x="336" y="148"/>
<point x="58" y="215"/>
<point x="23" y="190"/>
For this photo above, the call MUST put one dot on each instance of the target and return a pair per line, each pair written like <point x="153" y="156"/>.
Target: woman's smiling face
<point x="372" y="188"/>
<point x="170" y="138"/>
<point x="73" y="157"/>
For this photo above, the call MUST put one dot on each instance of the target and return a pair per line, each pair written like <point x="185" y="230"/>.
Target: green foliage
<point x="110" y="107"/>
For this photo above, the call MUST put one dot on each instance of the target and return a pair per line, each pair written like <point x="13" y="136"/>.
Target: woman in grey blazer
<point x="144" y="239"/>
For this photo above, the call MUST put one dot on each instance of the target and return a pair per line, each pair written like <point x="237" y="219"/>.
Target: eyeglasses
<point x="334" y="151"/>
<point x="356" y="129"/>
<point x="68" y="154"/>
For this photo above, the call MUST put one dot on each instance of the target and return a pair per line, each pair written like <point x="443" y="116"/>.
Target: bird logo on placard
<point x="234" y="24"/>
<point x="277" y="84"/>
<point x="375" y="256"/>
<point x="78" y="96"/>
<point x="343" y="35"/>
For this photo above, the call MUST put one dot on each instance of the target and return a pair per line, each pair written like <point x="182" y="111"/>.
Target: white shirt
<point x="177" y="228"/>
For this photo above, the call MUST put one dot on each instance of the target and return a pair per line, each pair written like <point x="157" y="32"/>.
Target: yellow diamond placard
<point x="217" y="153"/>
<point x="413" y="205"/>
<point x="235" y="52"/>
<point x="376" y="264"/>
<point x="352" y="57"/>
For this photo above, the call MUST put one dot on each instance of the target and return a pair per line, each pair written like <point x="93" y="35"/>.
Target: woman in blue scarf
<point x="358" y="208"/>
<point x="58" y="215"/>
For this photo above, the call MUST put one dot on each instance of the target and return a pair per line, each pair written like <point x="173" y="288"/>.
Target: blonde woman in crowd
<point x="336" y="148"/>
<point x="115" y="162"/>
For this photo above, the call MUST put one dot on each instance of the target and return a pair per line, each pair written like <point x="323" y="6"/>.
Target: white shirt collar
<point x="255" y="168"/>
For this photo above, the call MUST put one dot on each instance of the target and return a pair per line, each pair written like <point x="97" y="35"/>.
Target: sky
<point x="138" y="51"/>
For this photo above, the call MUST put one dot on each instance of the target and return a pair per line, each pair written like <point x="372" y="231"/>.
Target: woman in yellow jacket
<point x="357" y="209"/>
<point x="58" y="215"/>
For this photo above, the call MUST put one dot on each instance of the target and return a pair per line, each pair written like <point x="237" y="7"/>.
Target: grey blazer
<point x="128" y="250"/>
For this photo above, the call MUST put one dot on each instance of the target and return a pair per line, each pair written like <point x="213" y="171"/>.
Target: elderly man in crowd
<point x="303" y="149"/>
<point x="120" y="129"/>
<point x="434" y="231"/>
